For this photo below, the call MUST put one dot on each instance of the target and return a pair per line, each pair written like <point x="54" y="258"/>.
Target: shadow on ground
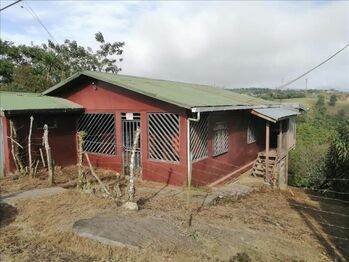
<point x="329" y="221"/>
<point x="8" y="214"/>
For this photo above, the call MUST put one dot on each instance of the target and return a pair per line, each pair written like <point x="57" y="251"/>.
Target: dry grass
<point x="262" y="226"/>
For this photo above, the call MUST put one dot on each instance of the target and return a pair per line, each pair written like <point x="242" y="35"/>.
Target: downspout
<point x="189" y="161"/>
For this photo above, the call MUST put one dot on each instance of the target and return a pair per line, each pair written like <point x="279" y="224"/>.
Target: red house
<point x="189" y="133"/>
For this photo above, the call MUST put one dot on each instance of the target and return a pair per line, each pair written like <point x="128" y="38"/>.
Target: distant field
<point x="331" y="110"/>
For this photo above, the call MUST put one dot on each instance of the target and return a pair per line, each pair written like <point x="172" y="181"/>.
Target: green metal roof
<point x="15" y="103"/>
<point x="181" y="94"/>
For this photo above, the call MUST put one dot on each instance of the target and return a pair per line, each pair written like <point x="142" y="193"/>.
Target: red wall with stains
<point x="239" y="152"/>
<point x="103" y="97"/>
<point x="61" y="139"/>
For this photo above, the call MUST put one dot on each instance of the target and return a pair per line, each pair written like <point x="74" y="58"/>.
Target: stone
<point x="131" y="206"/>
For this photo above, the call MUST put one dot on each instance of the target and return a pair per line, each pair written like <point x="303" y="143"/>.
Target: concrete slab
<point x="13" y="198"/>
<point x="130" y="230"/>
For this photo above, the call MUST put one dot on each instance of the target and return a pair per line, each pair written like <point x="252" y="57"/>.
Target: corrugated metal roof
<point x="181" y="94"/>
<point x="274" y="114"/>
<point x="28" y="102"/>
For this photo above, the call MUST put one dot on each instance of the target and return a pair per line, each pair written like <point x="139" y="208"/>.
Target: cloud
<point x="231" y="44"/>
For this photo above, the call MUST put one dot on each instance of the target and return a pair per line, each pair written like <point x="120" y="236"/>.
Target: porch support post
<point x="286" y="148"/>
<point x="280" y="139"/>
<point x="267" y="131"/>
<point x="189" y="167"/>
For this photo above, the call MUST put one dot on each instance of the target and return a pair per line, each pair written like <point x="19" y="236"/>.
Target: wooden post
<point x="42" y="158"/>
<point x="48" y="154"/>
<point x="131" y="187"/>
<point x="267" y="133"/>
<point x="29" y="146"/>
<point x="15" y="153"/>
<point x="287" y="142"/>
<point x="280" y="139"/>
<point x="97" y="178"/>
<point x="81" y="174"/>
<point x="36" y="168"/>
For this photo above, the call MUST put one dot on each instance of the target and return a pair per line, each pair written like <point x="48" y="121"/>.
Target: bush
<point x="337" y="160"/>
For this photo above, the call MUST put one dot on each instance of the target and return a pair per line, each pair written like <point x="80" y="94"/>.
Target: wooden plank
<point x="267" y="133"/>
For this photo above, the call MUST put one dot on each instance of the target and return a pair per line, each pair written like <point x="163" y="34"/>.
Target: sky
<point x="228" y="44"/>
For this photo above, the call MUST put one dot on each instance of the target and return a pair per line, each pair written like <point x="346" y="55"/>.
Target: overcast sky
<point x="228" y="44"/>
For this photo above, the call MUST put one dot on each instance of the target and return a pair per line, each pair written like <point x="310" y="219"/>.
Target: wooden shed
<point x="190" y="133"/>
<point x="59" y="114"/>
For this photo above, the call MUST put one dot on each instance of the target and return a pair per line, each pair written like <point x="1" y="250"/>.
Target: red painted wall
<point x="104" y="97"/>
<point x="61" y="139"/>
<point x="239" y="153"/>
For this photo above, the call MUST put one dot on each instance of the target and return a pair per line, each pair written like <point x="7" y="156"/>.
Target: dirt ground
<point x="268" y="225"/>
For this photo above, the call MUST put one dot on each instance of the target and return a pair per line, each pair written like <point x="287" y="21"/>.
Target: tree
<point x="333" y="100"/>
<point x="337" y="160"/>
<point x="37" y="67"/>
<point x="320" y="101"/>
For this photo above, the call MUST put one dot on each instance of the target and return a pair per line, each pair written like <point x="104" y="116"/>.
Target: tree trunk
<point x="49" y="157"/>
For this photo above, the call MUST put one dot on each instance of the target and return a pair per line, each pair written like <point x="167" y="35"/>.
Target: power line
<point x="306" y="73"/>
<point x="36" y="17"/>
<point x="2" y="9"/>
<point x="312" y="69"/>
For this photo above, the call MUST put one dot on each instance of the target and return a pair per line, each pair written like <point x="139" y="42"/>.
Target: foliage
<point x="271" y="94"/>
<point x="307" y="160"/>
<point x="320" y="101"/>
<point x="333" y="100"/>
<point x="337" y="160"/>
<point x="34" y="68"/>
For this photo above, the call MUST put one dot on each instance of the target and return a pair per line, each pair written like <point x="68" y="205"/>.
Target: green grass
<point x="331" y="110"/>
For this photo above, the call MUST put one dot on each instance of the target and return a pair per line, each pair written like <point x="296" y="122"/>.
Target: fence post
<point x="131" y="187"/>
<point x="48" y="154"/>
<point x="29" y="146"/>
<point x="81" y="174"/>
<point x="15" y="154"/>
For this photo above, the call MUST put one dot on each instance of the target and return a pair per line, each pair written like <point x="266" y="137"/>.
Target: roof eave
<point x="15" y="112"/>
<point x="229" y="107"/>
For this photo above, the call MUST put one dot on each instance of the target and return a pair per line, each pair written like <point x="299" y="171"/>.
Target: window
<point x="220" y="138"/>
<point x="100" y="132"/>
<point x="199" y="138"/>
<point x="51" y="123"/>
<point x="163" y="137"/>
<point x="251" y="132"/>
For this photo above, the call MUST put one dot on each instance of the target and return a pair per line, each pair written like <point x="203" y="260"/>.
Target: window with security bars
<point x="199" y="138"/>
<point x="163" y="137"/>
<point x="220" y="138"/>
<point x="100" y="132"/>
<point x="251" y="132"/>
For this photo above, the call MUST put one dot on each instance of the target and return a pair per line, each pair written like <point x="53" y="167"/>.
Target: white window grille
<point x="220" y="138"/>
<point x="251" y="132"/>
<point x="100" y="132"/>
<point x="199" y="138"/>
<point x="163" y="137"/>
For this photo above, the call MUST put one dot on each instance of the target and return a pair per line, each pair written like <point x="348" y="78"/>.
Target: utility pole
<point x="306" y="84"/>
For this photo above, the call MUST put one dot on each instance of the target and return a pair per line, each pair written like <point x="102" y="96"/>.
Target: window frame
<point x="215" y="130"/>
<point x="251" y="133"/>
<point x="114" y="153"/>
<point x="149" y="154"/>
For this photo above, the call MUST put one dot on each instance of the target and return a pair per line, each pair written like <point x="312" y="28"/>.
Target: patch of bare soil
<point x="264" y="226"/>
